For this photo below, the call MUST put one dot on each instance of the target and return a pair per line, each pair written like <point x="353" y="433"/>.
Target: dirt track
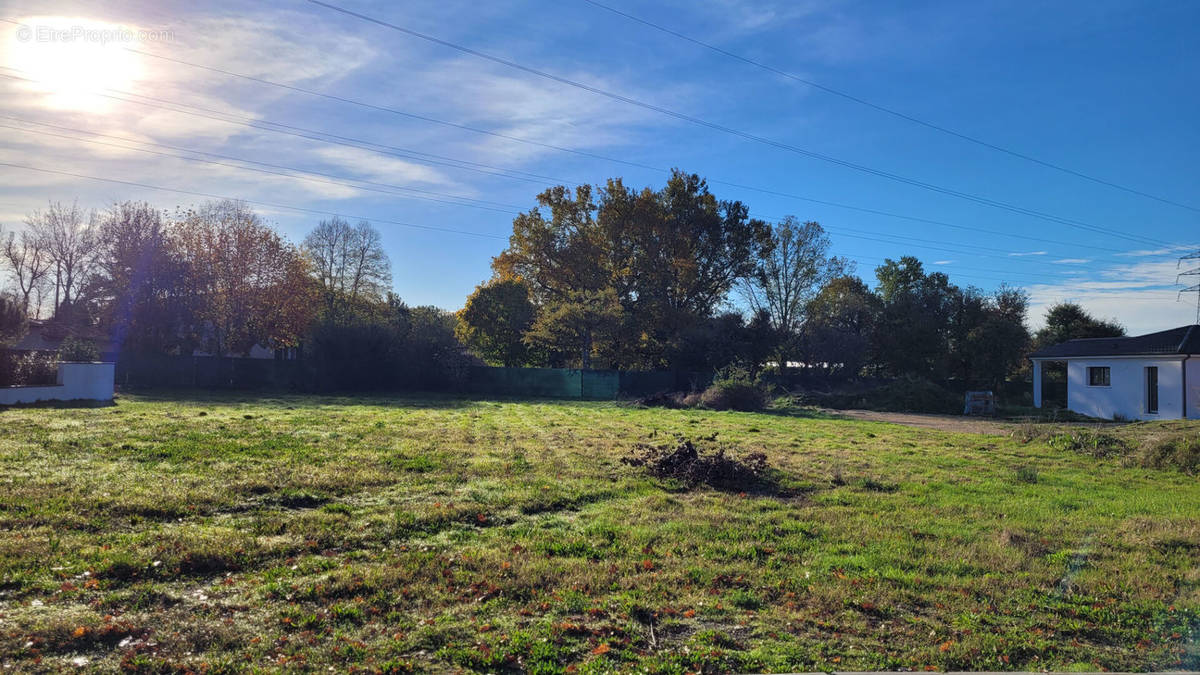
<point x="966" y="425"/>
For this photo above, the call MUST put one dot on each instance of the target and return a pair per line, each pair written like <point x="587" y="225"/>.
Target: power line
<point x="512" y="209"/>
<point x="947" y="250"/>
<point x="266" y="125"/>
<point x="742" y="134"/>
<point x="1192" y="272"/>
<point x="892" y="111"/>
<point x="289" y="207"/>
<point x="1009" y="254"/>
<point x="208" y="195"/>
<point x="895" y="236"/>
<point x="923" y="243"/>
<point x="352" y="185"/>
<point x="848" y="232"/>
<point x="401" y="152"/>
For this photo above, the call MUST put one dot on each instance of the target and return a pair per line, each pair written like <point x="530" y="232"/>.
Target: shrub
<point x="8" y="368"/>
<point x="75" y="349"/>
<point x="732" y="389"/>
<point x="1174" y="451"/>
<point x="733" y="396"/>
<point x="1025" y="474"/>
<point x="1088" y="442"/>
<point x="406" y="348"/>
<point x="13" y="321"/>
<point x="1165" y="450"/>
<point x="35" y="369"/>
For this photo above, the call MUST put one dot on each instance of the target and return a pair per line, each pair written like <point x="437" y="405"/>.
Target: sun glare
<point x="71" y="61"/>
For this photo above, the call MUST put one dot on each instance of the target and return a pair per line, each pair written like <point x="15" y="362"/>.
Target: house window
<point x="1099" y="376"/>
<point x="1152" y="389"/>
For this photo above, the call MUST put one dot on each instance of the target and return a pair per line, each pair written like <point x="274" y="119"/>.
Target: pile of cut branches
<point x="685" y="462"/>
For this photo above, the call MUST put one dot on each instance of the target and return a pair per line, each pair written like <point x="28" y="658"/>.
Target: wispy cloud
<point x="1026" y="253"/>
<point x="1145" y="253"/>
<point x="273" y="44"/>
<point x="377" y="168"/>
<point x="530" y="108"/>
<point x="742" y="16"/>
<point x="1143" y="296"/>
<point x="1071" y="261"/>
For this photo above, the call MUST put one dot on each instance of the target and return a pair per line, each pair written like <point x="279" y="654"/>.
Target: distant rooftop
<point x="1182" y="340"/>
<point x="36" y="339"/>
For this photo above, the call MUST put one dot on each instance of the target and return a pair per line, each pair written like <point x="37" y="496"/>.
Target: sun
<point x="71" y="62"/>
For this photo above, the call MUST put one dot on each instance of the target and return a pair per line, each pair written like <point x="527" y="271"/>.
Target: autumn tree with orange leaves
<point x="250" y="285"/>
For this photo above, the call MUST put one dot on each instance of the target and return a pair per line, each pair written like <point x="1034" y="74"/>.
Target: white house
<point x="1147" y="377"/>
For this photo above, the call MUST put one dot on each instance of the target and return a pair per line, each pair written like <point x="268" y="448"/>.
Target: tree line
<point x="595" y="277"/>
<point x="217" y="279"/>
<point x="615" y="277"/>
<point x="214" y="278"/>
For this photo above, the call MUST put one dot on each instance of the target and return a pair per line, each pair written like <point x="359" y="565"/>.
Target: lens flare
<point x="71" y="60"/>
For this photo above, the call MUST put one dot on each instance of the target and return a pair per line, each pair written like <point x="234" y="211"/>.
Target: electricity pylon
<point x="1190" y="273"/>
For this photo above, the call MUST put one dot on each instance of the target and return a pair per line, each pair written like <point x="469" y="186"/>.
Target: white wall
<point x="1193" y="386"/>
<point x="1126" y="394"/>
<point x="76" y="382"/>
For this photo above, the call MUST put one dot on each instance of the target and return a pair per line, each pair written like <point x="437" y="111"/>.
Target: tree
<point x="693" y="248"/>
<point x="391" y="347"/>
<point x="572" y="326"/>
<point x="667" y="257"/>
<point x="989" y="339"/>
<point x="793" y="271"/>
<point x="251" y="286"/>
<point x="27" y="264"/>
<point x="362" y="350"/>
<point x="914" y="325"/>
<point x="1069" y="321"/>
<point x="141" y="280"/>
<point x="726" y="340"/>
<point x="559" y="255"/>
<point x="12" y="320"/>
<point x="69" y="239"/>
<point x="495" y="319"/>
<point x="790" y="274"/>
<point x="840" y="330"/>
<point x="433" y="357"/>
<point x="348" y="262"/>
<point x="712" y="343"/>
<point x="762" y="340"/>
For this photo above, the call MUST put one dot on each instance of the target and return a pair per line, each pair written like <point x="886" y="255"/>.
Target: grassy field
<point x="218" y="533"/>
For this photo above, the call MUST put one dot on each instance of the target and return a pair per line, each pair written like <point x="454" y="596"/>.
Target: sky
<point x="439" y="148"/>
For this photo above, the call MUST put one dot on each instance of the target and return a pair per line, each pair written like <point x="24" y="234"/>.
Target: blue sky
<point x="1104" y="88"/>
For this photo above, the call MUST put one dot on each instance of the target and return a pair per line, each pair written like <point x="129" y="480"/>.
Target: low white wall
<point x="76" y="382"/>
<point x="1126" y="394"/>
